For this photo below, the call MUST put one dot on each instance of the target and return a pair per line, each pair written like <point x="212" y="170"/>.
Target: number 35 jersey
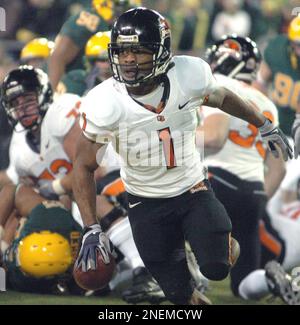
<point x="156" y="143"/>
<point x="52" y="161"/>
<point x="243" y="152"/>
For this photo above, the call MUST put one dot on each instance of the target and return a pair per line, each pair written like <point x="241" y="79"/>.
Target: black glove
<point x="94" y="240"/>
<point x="296" y="135"/>
<point x="274" y="137"/>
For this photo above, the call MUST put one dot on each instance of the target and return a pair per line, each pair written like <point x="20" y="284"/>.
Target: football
<point x="95" y="279"/>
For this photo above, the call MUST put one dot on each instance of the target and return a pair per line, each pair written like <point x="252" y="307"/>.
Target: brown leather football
<point x="95" y="279"/>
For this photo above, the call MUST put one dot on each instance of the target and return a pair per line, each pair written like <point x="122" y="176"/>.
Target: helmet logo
<point x="127" y="39"/>
<point x="14" y="90"/>
<point x="232" y="44"/>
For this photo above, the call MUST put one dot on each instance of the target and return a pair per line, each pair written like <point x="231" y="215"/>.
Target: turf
<point x="219" y="293"/>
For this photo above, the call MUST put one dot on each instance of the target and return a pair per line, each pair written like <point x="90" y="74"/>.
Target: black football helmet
<point x="21" y="81"/>
<point x="234" y="56"/>
<point x="136" y="28"/>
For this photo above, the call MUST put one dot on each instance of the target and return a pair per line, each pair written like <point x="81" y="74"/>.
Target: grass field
<point x="219" y="294"/>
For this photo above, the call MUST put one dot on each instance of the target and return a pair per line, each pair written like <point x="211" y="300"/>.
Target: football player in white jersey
<point x="149" y="110"/>
<point x="42" y="143"/>
<point x="235" y="152"/>
<point x="42" y="149"/>
<point x="286" y="222"/>
<point x="42" y="146"/>
<point x="236" y="161"/>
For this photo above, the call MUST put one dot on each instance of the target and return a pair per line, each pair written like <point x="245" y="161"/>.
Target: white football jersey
<point x="243" y="152"/>
<point x="52" y="161"/>
<point x="288" y="226"/>
<point x="158" y="149"/>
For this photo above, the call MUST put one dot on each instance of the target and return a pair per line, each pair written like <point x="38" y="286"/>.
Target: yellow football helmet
<point x="37" y="48"/>
<point x="44" y="254"/>
<point x="294" y="30"/>
<point x="96" y="47"/>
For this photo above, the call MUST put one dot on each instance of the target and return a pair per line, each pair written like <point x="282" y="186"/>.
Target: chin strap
<point x="164" y="98"/>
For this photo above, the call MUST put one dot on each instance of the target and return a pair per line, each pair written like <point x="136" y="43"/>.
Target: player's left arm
<point x="234" y="105"/>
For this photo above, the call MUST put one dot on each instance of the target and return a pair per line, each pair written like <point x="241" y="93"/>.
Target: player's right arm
<point x="94" y="239"/>
<point x="83" y="183"/>
<point x="65" y="52"/>
<point x="72" y="37"/>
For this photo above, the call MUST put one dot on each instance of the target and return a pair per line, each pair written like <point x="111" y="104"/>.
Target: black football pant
<point x="245" y="203"/>
<point x="160" y="228"/>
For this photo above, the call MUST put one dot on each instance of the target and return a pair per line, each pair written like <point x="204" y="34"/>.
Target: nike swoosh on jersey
<point x="133" y="205"/>
<point x="182" y="106"/>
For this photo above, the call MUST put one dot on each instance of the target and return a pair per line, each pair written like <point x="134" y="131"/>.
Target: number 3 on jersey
<point x="55" y="167"/>
<point x="249" y="141"/>
<point x="168" y="147"/>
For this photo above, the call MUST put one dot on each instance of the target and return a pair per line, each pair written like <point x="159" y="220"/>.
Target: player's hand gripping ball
<point x="95" y="264"/>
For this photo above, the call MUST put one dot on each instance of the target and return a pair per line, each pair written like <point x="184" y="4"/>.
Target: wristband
<point x="94" y="227"/>
<point x="266" y="127"/>
<point x="3" y="246"/>
<point x="57" y="187"/>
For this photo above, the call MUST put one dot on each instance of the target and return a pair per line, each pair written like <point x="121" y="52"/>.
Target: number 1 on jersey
<point x="168" y="147"/>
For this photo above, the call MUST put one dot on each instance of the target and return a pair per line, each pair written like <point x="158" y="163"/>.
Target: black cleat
<point x="280" y="283"/>
<point x="144" y="288"/>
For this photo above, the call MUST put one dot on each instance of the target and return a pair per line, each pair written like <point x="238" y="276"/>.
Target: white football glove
<point x="296" y="135"/>
<point x="93" y="240"/>
<point x="273" y="136"/>
<point x="50" y="189"/>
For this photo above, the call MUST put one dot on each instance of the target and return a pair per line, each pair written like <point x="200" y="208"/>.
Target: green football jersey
<point x="42" y="217"/>
<point x="80" y="28"/>
<point x="78" y="82"/>
<point x="285" y="79"/>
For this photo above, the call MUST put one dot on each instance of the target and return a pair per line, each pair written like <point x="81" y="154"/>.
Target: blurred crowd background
<point x="195" y="24"/>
